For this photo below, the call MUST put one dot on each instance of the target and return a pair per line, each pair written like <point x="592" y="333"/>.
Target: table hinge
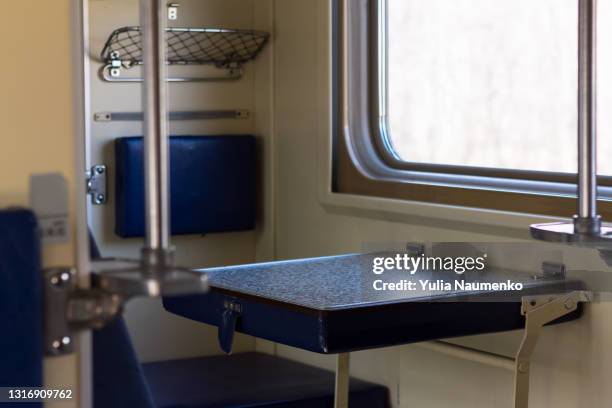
<point x="539" y="311"/>
<point x="553" y="270"/>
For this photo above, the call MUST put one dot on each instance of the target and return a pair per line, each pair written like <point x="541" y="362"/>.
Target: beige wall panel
<point x="38" y="122"/>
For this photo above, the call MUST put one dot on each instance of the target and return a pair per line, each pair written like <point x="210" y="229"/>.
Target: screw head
<point x="60" y="279"/>
<point x="100" y="198"/>
<point x="523" y="367"/>
<point x="61" y="343"/>
<point x="100" y="170"/>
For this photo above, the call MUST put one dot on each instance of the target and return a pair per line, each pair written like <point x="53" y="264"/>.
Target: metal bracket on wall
<point x="96" y="184"/>
<point x="173" y="11"/>
<point x="174" y="116"/>
<point x="539" y="311"/>
<point x="69" y="309"/>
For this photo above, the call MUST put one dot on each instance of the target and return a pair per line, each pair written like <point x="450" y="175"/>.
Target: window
<point x="469" y="102"/>
<point x="483" y="83"/>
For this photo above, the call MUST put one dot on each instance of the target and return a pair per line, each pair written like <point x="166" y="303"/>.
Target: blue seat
<point x="21" y="341"/>
<point x="251" y="380"/>
<point x="212" y="181"/>
<point x="237" y="381"/>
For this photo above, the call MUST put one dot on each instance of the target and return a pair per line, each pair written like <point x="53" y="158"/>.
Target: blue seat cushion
<point x="212" y="185"/>
<point x="21" y="338"/>
<point x="251" y="380"/>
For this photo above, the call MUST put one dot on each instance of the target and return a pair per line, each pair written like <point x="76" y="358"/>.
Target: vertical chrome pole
<point x="154" y="91"/>
<point x="587" y="221"/>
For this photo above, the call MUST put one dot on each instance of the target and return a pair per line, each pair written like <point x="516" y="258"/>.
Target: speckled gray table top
<point x="346" y="282"/>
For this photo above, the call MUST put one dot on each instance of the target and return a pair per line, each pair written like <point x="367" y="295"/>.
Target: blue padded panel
<point x="212" y="181"/>
<point x="20" y="301"/>
<point x="251" y="380"/>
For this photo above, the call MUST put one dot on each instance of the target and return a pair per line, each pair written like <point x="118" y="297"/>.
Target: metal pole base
<point x="130" y="279"/>
<point x="587" y="226"/>
<point x="581" y="231"/>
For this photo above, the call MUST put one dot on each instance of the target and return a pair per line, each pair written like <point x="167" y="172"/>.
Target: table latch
<point x="232" y="310"/>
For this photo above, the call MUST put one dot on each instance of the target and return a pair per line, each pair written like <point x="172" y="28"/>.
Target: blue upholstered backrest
<point x="212" y="181"/>
<point x="21" y="307"/>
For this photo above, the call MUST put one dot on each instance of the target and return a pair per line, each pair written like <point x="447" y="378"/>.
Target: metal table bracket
<point x="539" y="311"/>
<point x="69" y="309"/>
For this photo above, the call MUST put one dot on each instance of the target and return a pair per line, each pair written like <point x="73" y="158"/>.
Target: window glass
<point x="490" y="83"/>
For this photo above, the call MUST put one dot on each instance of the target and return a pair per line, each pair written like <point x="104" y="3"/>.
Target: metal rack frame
<point x="227" y="50"/>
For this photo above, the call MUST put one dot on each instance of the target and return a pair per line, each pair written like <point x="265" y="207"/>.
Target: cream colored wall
<point x="571" y="361"/>
<point x="38" y="116"/>
<point x="176" y="337"/>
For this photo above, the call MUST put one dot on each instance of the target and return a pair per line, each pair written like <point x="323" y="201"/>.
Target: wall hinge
<point x="97" y="184"/>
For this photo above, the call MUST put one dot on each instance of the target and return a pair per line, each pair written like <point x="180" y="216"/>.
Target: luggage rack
<point x="225" y="49"/>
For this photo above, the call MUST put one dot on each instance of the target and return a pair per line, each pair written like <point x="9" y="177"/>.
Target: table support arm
<point x="341" y="391"/>
<point x="539" y="311"/>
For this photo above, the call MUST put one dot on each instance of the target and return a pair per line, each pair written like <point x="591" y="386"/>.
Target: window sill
<point x="491" y="222"/>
